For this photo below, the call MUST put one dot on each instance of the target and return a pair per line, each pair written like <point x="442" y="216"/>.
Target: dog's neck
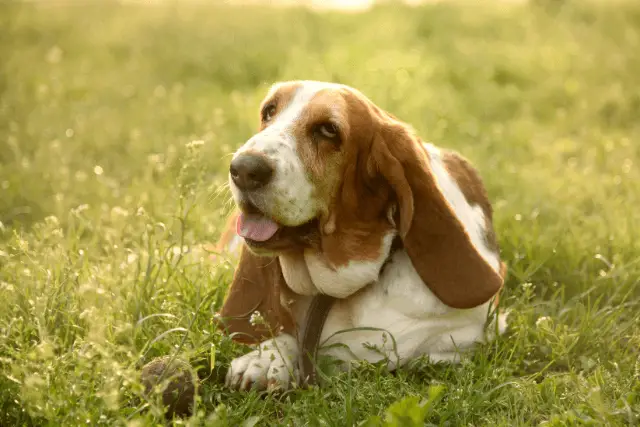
<point x="295" y="268"/>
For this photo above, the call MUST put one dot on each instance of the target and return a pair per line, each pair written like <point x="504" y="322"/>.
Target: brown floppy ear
<point x="440" y="231"/>
<point x="256" y="286"/>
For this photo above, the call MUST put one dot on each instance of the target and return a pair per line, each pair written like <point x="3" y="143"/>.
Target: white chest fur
<point x="399" y="318"/>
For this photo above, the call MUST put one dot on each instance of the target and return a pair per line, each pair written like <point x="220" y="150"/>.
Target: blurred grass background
<point x="105" y="198"/>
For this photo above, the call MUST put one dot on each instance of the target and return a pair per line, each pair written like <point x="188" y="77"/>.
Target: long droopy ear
<point x="256" y="286"/>
<point x="442" y="234"/>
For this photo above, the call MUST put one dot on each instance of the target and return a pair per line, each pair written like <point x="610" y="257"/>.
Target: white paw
<point x="271" y="367"/>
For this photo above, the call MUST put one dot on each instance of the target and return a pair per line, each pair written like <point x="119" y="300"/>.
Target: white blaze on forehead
<point x="472" y="217"/>
<point x="292" y="112"/>
<point x="289" y="116"/>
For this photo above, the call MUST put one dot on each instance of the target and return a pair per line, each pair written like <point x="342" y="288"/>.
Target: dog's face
<point x="285" y="177"/>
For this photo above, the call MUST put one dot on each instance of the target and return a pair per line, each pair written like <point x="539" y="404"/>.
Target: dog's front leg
<point x="273" y="366"/>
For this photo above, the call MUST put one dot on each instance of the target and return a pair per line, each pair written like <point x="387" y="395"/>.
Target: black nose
<point x="250" y="171"/>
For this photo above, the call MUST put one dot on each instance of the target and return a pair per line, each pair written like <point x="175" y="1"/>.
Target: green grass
<point x="104" y="205"/>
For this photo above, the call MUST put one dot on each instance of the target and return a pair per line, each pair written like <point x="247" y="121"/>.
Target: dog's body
<point x="338" y="197"/>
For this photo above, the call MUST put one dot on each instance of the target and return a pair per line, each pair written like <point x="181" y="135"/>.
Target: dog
<point x="336" y="196"/>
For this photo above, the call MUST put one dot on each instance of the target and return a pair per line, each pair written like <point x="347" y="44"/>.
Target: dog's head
<point x="284" y="178"/>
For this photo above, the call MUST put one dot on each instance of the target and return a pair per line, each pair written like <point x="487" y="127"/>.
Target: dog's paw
<point x="273" y="366"/>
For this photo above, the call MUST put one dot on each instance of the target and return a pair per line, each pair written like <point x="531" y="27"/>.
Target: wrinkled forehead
<point x="300" y="101"/>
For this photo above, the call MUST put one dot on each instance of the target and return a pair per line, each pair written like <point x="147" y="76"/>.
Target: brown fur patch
<point x="470" y="183"/>
<point x="256" y="286"/>
<point x="259" y="285"/>
<point x="362" y="198"/>
<point x="322" y="158"/>
<point x="319" y="154"/>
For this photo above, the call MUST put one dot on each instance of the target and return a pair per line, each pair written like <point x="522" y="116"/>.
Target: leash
<point x="310" y="332"/>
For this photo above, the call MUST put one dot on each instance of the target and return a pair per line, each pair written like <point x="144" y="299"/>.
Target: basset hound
<point x="336" y="196"/>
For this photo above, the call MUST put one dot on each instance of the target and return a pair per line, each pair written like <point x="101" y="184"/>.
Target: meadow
<point x="116" y="126"/>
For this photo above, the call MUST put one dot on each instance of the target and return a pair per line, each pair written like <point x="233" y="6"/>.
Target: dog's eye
<point x="268" y="112"/>
<point x="327" y="130"/>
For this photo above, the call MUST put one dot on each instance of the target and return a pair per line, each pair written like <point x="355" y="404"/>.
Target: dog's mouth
<point x="262" y="232"/>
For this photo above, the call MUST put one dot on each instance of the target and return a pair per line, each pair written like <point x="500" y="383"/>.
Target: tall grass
<point x="116" y="122"/>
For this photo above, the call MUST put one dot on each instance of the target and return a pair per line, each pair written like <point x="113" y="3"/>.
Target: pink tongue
<point x="255" y="227"/>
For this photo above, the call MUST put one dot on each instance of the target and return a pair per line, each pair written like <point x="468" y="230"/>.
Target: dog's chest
<point x="398" y="317"/>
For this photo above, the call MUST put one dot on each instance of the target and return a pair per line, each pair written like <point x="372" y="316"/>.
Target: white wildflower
<point x="81" y="208"/>
<point x="23" y="245"/>
<point x="195" y="144"/>
<point x="256" y="318"/>
<point x="52" y="220"/>
<point x="543" y="322"/>
<point x="118" y="211"/>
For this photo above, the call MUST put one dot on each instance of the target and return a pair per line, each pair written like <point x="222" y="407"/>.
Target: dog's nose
<point x="250" y="171"/>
